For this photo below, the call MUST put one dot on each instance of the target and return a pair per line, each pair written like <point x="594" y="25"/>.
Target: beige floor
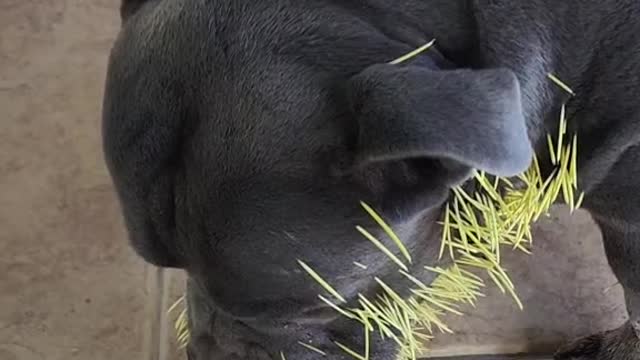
<point x="70" y="288"/>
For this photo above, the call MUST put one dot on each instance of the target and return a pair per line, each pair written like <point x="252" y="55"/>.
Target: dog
<point x="242" y="135"/>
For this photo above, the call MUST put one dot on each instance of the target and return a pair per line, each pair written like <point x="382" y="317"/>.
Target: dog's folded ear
<point x="457" y="119"/>
<point x="473" y="117"/>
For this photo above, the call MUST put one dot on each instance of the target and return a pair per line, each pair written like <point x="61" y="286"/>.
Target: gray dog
<point x="241" y="135"/>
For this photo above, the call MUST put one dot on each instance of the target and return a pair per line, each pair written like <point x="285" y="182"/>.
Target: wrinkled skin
<point x="241" y="136"/>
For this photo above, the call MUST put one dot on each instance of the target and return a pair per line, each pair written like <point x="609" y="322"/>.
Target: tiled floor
<point x="71" y="289"/>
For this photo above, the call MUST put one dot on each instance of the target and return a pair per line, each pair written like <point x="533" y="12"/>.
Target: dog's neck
<point x="532" y="39"/>
<point x="417" y="22"/>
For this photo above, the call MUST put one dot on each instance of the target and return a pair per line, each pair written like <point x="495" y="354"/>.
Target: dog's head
<point x="241" y="136"/>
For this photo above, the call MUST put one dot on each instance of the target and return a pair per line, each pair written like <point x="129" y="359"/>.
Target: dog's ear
<point x="439" y="124"/>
